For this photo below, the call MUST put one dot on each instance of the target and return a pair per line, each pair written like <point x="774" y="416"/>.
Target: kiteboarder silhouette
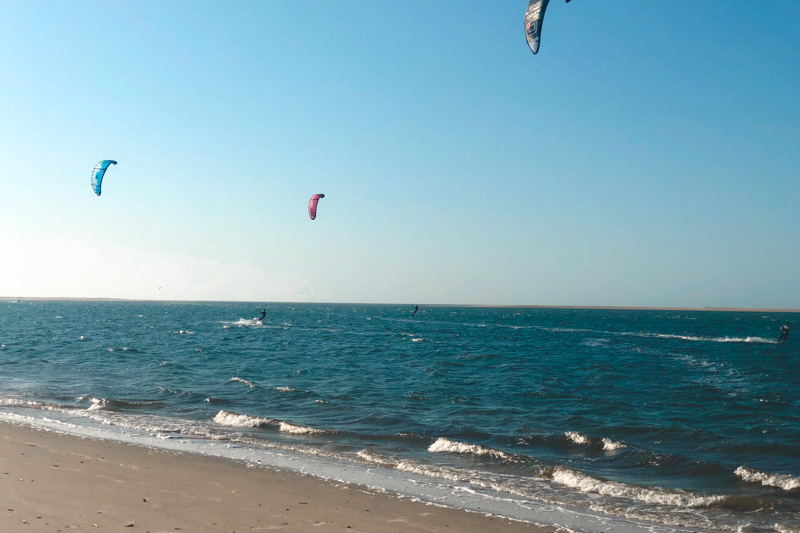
<point x="263" y="314"/>
<point x="416" y="308"/>
<point x="784" y="332"/>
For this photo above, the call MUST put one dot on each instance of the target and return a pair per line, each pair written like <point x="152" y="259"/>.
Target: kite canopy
<point x="98" y="173"/>
<point x="312" y="205"/>
<point x="534" y="17"/>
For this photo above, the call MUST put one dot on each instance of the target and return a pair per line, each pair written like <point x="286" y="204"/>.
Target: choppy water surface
<point x="690" y="419"/>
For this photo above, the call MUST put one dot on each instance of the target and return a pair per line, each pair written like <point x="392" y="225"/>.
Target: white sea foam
<point x="782" y="481"/>
<point x="607" y="444"/>
<point x="577" y="438"/>
<point x="246" y="382"/>
<point x="760" y="340"/>
<point x="15" y="402"/>
<point x="242" y="322"/>
<point x="285" y="389"/>
<point x="98" y="404"/>
<point x="422" y="469"/>
<point x="287" y="427"/>
<point x="585" y="483"/>
<point x="445" y="445"/>
<point x="227" y="418"/>
<point x="374" y="458"/>
<point x="783" y="528"/>
<point x="610" y="445"/>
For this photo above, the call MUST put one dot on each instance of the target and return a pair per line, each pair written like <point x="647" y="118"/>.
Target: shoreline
<point x="15" y="299"/>
<point x="53" y="481"/>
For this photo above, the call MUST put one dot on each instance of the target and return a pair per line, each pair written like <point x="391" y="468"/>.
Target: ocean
<point x="592" y="419"/>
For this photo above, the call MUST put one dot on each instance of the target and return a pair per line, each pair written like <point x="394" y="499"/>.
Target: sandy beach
<point x="54" y="482"/>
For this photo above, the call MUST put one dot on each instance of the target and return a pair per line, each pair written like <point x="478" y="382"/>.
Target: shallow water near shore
<point x="687" y="419"/>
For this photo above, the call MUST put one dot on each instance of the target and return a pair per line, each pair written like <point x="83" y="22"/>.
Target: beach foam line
<point x="170" y="491"/>
<point x="418" y="481"/>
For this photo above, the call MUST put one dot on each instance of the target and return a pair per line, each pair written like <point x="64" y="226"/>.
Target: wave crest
<point x="585" y="483"/>
<point x="605" y="443"/>
<point x="445" y="445"/>
<point x="782" y="481"/>
<point x="228" y="418"/>
<point x="287" y="427"/>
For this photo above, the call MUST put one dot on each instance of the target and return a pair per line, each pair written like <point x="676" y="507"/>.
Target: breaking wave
<point x="445" y="445"/>
<point x="653" y="495"/>
<point x="246" y="382"/>
<point x="287" y="427"/>
<point x="781" y="481"/>
<point x="604" y="443"/>
<point x="227" y="418"/>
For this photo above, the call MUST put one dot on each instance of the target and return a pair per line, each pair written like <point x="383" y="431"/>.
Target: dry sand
<point x="53" y="482"/>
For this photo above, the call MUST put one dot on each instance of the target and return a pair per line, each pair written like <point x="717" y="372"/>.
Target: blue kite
<point x="98" y="173"/>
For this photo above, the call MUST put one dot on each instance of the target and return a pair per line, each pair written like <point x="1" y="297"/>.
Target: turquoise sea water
<point x="584" y="418"/>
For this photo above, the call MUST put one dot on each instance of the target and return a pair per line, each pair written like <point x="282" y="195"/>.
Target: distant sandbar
<point x="477" y="306"/>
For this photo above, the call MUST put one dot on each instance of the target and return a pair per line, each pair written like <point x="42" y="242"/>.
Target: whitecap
<point x="287" y="427"/>
<point x="577" y="438"/>
<point x="98" y="404"/>
<point x="610" y="445"/>
<point x="652" y="495"/>
<point x="606" y="443"/>
<point x="445" y="445"/>
<point x="227" y="418"/>
<point x="768" y="479"/>
<point x="246" y="382"/>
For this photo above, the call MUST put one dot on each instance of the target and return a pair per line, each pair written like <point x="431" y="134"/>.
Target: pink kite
<point x="312" y="205"/>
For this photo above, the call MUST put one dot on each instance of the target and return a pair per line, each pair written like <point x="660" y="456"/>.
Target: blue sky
<point x="649" y="155"/>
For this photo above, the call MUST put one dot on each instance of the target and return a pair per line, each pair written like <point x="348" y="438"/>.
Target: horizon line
<point x="488" y="306"/>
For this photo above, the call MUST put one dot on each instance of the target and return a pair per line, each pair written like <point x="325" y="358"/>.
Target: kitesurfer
<point x="263" y="314"/>
<point x="784" y="332"/>
<point x="416" y="308"/>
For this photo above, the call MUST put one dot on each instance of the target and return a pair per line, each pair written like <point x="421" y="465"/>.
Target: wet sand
<point x="53" y="482"/>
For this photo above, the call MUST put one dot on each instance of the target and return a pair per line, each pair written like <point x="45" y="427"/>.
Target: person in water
<point x="784" y="332"/>
<point x="416" y="308"/>
<point x="263" y="314"/>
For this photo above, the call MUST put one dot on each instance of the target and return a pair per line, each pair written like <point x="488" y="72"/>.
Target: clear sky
<point x="649" y="155"/>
